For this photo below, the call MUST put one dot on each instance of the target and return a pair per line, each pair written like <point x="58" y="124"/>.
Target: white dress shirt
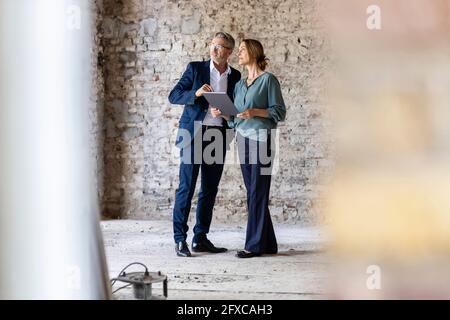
<point x="219" y="83"/>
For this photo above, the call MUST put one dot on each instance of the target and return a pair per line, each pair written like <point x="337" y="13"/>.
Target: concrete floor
<point x="297" y="272"/>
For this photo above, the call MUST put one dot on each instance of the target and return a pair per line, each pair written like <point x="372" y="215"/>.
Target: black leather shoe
<point x="246" y="254"/>
<point x="182" y="250"/>
<point x="206" y="246"/>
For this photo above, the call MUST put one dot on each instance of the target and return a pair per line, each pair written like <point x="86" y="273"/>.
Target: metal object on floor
<point x="142" y="284"/>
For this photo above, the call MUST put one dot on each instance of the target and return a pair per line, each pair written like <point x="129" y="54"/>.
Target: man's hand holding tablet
<point x="221" y="101"/>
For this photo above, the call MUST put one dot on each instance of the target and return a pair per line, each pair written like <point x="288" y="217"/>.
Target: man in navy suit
<point x="197" y="122"/>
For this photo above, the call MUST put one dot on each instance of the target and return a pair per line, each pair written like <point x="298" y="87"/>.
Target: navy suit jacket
<point x="196" y="75"/>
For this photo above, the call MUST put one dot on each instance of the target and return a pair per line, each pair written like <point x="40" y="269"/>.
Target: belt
<point x="212" y="127"/>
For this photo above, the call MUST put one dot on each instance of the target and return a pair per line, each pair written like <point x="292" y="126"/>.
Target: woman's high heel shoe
<point x="246" y="254"/>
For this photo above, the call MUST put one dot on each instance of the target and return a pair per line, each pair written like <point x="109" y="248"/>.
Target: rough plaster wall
<point x="147" y="45"/>
<point x="97" y="95"/>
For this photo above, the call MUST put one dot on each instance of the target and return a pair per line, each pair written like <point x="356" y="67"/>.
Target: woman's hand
<point x="217" y="113"/>
<point x="254" y="112"/>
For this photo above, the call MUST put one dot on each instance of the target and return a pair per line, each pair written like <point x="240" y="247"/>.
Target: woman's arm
<point x="254" y="112"/>
<point x="277" y="108"/>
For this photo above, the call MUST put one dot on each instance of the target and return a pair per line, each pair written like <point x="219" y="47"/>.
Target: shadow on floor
<point x="288" y="253"/>
<point x="291" y="253"/>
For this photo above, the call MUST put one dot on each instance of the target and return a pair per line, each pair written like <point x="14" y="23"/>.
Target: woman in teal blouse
<point x="260" y="102"/>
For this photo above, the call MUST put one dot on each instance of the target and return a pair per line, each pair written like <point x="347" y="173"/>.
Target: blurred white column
<point x="50" y="241"/>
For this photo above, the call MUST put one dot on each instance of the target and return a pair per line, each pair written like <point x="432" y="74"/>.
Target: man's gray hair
<point x="228" y="38"/>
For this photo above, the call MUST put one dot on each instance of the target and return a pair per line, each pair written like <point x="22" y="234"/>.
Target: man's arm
<point x="183" y="92"/>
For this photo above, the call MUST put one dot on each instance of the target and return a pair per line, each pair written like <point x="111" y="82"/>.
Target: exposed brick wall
<point x="97" y="96"/>
<point x="146" y="46"/>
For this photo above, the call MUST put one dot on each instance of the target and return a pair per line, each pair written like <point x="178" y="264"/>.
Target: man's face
<point x="219" y="50"/>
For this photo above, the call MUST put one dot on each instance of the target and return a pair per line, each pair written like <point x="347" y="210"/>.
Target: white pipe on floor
<point x="50" y="242"/>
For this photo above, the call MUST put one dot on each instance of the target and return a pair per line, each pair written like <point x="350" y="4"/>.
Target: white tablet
<point x="221" y="101"/>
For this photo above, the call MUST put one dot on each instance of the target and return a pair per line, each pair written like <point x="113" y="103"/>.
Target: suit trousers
<point x="193" y="161"/>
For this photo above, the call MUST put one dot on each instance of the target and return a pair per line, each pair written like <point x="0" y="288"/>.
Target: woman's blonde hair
<point x="256" y="51"/>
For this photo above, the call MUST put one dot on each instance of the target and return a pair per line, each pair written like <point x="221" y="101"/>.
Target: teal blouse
<point x="263" y="93"/>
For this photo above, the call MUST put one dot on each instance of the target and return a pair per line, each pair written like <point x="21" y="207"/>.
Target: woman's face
<point x="243" y="56"/>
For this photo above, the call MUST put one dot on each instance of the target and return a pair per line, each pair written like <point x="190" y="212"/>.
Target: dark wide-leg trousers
<point x="256" y="163"/>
